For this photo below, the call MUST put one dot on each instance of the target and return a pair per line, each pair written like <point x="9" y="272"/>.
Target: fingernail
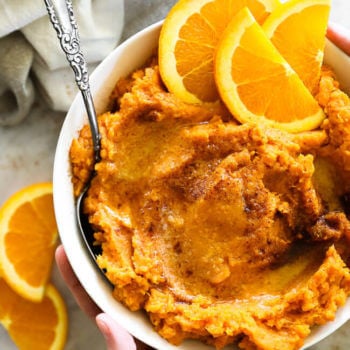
<point x="103" y="327"/>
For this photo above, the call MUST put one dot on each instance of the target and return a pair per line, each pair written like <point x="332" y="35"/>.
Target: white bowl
<point x="122" y="61"/>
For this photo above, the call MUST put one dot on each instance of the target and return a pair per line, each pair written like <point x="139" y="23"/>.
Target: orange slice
<point x="28" y="235"/>
<point x="188" y="39"/>
<point x="34" y="326"/>
<point x="256" y="82"/>
<point x="298" y="30"/>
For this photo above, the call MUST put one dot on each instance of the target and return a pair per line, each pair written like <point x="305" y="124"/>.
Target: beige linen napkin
<point x="15" y="14"/>
<point x="16" y="88"/>
<point x="31" y="60"/>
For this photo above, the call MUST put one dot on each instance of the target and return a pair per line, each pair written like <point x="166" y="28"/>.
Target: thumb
<point x="117" y="338"/>
<point x="340" y="36"/>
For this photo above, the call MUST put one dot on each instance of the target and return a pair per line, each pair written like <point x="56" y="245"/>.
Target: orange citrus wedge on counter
<point x="32" y="325"/>
<point x="256" y="82"/>
<point x="188" y="39"/>
<point x="298" y="30"/>
<point x="28" y="235"/>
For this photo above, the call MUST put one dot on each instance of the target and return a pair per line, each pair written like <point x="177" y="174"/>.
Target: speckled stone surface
<point x="26" y="156"/>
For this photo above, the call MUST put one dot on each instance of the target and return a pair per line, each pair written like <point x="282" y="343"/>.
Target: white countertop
<point x="27" y="153"/>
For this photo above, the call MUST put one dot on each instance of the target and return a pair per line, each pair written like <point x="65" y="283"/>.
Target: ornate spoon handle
<point x="62" y="18"/>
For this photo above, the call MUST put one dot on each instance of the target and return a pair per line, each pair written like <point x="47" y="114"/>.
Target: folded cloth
<point x="16" y="88"/>
<point x="29" y="44"/>
<point x="15" y="14"/>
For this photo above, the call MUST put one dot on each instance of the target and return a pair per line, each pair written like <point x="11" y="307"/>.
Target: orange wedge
<point x="188" y="39"/>
<point x="34" y="326"/>
<point x="298" y="30"/>
<point x="256" y="82"/>
<point x="28" y="235"/>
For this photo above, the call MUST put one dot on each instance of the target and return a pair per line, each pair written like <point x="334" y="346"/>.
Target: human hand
<point x="340" y="36"/>
<point x="116" y="337"/>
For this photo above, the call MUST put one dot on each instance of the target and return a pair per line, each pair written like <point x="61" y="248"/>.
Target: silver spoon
<point x="62" y="18"/>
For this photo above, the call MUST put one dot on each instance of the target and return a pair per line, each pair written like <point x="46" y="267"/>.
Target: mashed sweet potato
<point x="220" y="231"/>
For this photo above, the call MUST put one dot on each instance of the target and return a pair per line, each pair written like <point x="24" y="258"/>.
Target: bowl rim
<point x="89" y="275"/>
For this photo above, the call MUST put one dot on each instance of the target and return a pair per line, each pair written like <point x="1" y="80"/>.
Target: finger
<point x="82" y="298"/>
<point x="117" y="338"/>
<point x="340" y="36"/>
